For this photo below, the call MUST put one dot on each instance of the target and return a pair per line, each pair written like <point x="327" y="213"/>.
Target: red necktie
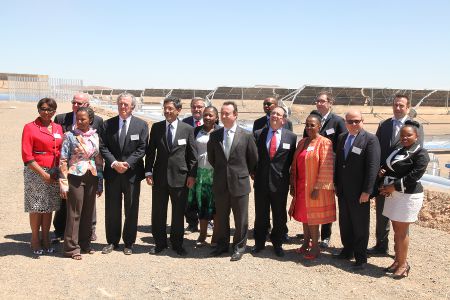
<point x="273" y="145"/>
<point x="197" y="123"/>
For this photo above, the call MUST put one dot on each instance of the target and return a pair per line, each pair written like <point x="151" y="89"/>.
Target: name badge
<point x="182" y="142"/>
<point x="399" y="156"/>
<point x="56" y="135"/>
<point x="329" y="131"/>
<point x="356" y="150"/>
<point x="286" y="146"/>
<point x="310" y="148"/>
<point x="134" y="137"/>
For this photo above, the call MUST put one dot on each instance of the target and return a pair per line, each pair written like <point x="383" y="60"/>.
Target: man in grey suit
<point x="356" y="168"/>
<point x="122" y="145"/>
<point x="232" y="153"/>
<point x="388" y="134"/>
<point x="170" y="168"/>
<point x="68" y="122"/>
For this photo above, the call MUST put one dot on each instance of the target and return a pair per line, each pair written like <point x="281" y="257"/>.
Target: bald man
<point x="68" y="122"/>
<point x="356" y="167"/>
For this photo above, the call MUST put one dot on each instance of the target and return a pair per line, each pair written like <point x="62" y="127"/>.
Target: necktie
<point x="273" y="144"/>
<point x="348" y="144"/>
<point x="169" y="136"/>
<point x="197" y="123"/>
<point x="123" y="134"/>
<point x="227" y="145"/>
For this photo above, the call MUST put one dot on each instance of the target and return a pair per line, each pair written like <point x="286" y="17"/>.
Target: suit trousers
<point x="354" y="221"/>
<point x="160" y="200"/>
<point x="225" y="203"/>
<point x="325" y="231"/>
<point x="114" y="189"/>
<point x="264" y="200"/>
<point x="80" y="205"/>
<point x="191" y="215"/>
<point x="382" y="225"/>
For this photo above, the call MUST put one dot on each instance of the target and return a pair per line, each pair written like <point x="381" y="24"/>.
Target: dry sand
<point x="197" y="276"/>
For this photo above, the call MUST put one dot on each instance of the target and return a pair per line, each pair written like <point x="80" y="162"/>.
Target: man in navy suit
<point x="195" y="120"/>
<point x="332" y="126"/>
<point x="122" y="145"/>
<point x="269" y="104"/>
<point x="276" y="147"/>
<point x="356" y="168"/>
<point x="388" y="134"/>
<point x="68" y="122"/>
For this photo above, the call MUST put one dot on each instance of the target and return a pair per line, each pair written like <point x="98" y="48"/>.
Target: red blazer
<point x="40" y="145"/>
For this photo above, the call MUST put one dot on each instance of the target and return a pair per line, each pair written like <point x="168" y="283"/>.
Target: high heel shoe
<point x="404" y="274"/>
<point x="391" y="268"/>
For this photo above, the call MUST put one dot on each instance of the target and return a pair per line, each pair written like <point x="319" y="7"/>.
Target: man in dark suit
<point x="356" y="168"/>
<point x="170" y="170"/>
<point x="123" y="143"/>
<point x="332" y="126"/>
<point x="232" y="153"/>
<point x="276" y="147"/>
<point x="68" y="122"/>
<point x="195" y="120"/>
<point x="388" y="134"/>
<point x="269" y="104"/>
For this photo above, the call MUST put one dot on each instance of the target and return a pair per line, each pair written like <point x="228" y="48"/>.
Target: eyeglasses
<point x="321" y="101"/>
<point x="48" y="110"/>
<point x="268" y="103"/>
<point x="351" y="122"/>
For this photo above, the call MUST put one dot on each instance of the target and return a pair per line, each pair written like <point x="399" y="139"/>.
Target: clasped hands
<point x="121" y="167"/>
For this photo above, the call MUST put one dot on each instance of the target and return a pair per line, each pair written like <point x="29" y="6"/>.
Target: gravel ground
<point x="197" y="275"/>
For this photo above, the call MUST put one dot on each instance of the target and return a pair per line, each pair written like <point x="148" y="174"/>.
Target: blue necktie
<point x="169" y="136"/>
<point x="348" y="144"/>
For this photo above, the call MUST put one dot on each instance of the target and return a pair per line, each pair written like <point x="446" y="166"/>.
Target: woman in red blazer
<point x="41" y="144"/>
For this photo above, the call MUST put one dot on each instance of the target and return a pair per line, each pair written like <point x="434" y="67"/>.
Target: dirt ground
<point x="141" y="275"/>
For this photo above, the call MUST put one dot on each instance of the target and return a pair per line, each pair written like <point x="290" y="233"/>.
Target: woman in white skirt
<point x="403" y="191"/>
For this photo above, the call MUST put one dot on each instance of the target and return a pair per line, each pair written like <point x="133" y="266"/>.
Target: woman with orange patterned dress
<point x="312" y="187"/>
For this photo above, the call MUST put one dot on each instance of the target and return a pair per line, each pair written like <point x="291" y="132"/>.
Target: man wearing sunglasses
<point x="268" y="104"/>
<point x="356" y="168"/>
<point x="68" y="122"/>
<point x="332" y="126"/>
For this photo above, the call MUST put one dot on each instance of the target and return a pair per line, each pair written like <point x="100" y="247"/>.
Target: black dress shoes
<point x="279" y="251"/>
<point x="325" y="243"/>
<point x="359" y="265"/>
<point x="257" y="249"/>
<point x="180" y="251"/>
<point x="377" y="251"/>
<point x="156" y="250"/>
<point x="343" y="255"/>
<point x="128" y="250"/>
<point x="109" y="248"/>
<point x="286" y="239"/>
<point x="218" y="252"/>
<point x="236" y="256"/>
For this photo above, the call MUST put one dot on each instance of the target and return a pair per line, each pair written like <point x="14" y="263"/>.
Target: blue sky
<point x="204" y="44"/>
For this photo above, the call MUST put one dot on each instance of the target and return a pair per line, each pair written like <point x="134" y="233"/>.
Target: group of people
<point x="206" y="169"/>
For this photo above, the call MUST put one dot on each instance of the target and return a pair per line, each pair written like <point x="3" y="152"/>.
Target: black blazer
<point x="232" y="175"/>
<point x="66" y="121"/>
<point x="133" y="149"/>
<point x="274" y="174"/>
<point x="171" y="167"/>
<point x="197" y="129"/>
<point x="389" y="143"/>
<point x="407" y="166"/>
<point x="262" y="123"/>
<point x="357" y="173"/>
<point x="333" y="126"/>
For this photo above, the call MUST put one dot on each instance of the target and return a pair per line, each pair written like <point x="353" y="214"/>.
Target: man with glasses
<point x="268" y="104"/>
<point x="332" y="126"/>
<point x="68" y="122"/>
<point x="388" y="134"/>
<point x="356" y="168"/>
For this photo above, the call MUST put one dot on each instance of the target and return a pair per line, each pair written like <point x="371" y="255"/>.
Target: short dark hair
<point x="90" y="113"/>
<point x="408" y="102"/>
<point x="49" y="101"/>
<point x="316" y="115"/>
<point x="413" y="124"/>
<point x="175" y="100"/>
<point x="231" y="103"/>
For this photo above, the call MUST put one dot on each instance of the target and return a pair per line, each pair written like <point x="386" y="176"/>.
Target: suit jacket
<point x="171" y="167"/>
<point x="133" y="150"/>
<point x="189" y="121"/>
<point x="66" y="121"/>
<point x="333" y="126"/>
<point x="262" y="123"/>
<point x="389" y="143"/>
<point x="273" y="174"/>
<point x="232" y="175"/>
<point x="358" y="172"/>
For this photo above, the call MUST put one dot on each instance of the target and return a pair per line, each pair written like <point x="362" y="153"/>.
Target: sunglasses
<point x="49" y="110"/>
<point x="351" y="122"/>
<point x="268" y="103"/>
